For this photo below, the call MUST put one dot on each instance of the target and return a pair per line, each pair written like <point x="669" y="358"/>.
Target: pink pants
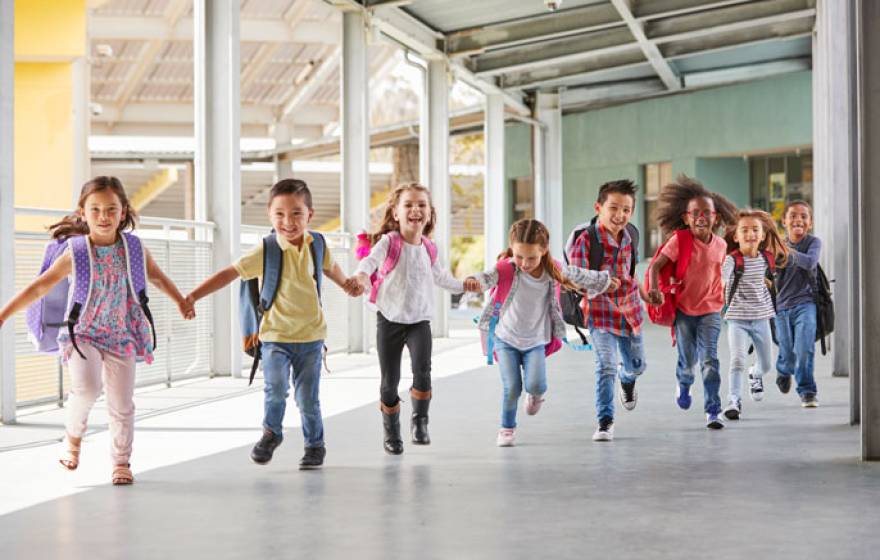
<point x="86" y="383"/>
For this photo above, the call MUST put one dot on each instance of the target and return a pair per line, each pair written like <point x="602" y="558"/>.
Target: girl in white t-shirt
<point x="528" y="325"/>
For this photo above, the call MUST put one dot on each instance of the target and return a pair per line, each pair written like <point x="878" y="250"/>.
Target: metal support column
<point x="495" y="192"/>
<point x="868" y="205"/>
<point x="355" y="151"/>
<point x="283" y="167"/>
<point x="216" y="47"/>
<point x="434" y="143"/>
<point x="7" y="209"/>
<point x="548" y="167"/>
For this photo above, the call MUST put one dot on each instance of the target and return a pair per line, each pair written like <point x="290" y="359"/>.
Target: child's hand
<point x="187" y="308"/>
<point x="767" y="282"/>
<point x="471" y="284"/>
<point x="655" y="297"/>
<point x="363" y="280"/>
<point x="352" y="287"/>
<point x="614" y="285"/>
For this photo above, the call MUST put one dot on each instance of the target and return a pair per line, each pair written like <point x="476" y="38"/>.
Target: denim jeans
<point x="697" y="340"/>
<point x="740" y="335"/>
<point x="303" y="360"/>
<point x="518" y="368"/>
<point x="796" y="334"/>
<point x="616" y="356"/>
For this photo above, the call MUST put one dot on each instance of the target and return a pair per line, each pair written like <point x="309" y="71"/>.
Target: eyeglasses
<point x="696" y="214"/>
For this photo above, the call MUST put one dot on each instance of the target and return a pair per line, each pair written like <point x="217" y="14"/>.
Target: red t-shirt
<point x="700" y="291"/>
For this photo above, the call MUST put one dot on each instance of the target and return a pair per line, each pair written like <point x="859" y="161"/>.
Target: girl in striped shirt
<point x="747" y="274"/>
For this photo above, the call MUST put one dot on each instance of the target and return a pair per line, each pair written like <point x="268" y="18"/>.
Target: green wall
<point x="702" y="133"/>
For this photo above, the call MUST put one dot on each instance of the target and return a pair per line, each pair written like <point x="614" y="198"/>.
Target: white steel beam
<point x="495" y="192"/>
<point x="173" y="113"/>
<point x="652" y="53"/>
<point x="548" y="167"/>
<point x="434" y="142"/>
<point x="7" y="205"/>
<point x="303" y="92"/>
<point x="355" y="152"/>
<point x="218" y="159"/>
<point x="745" y="73"/>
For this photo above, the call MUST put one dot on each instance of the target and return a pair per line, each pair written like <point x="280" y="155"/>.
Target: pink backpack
<point x="499" y="295"/>
<point x="395" y="245"/>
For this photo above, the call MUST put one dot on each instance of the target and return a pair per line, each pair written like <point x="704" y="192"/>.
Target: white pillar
<point x="495" y="191"/>
<point x="434" y="144"/>
<point x="7" y="209"/>
<point x="283" y="167"/>
<point x="218" y="160"/>
<point x="355" y="151"/>
<point x="867" y="206"/>
<point x="548" y="167"/>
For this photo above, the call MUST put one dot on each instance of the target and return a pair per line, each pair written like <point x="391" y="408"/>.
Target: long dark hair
<point x="533" y="232"/>
<point x="388" y="221"/>
<point x="74" y="224"/>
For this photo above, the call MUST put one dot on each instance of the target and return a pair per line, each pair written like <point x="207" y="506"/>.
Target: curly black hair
<point x="673" y="202"/>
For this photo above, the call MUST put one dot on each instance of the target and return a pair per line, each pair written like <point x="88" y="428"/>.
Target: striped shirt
<point x="618" y="312"/>
<point x="752" y="301"/>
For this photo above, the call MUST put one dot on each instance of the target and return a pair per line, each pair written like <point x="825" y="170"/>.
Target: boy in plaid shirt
<point x="614" y="318"/>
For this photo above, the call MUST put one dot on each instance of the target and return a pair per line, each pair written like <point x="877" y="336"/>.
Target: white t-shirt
<point x="752" y="300"/>
<point x="407" y="293"/>
<point x="525" y="323"/>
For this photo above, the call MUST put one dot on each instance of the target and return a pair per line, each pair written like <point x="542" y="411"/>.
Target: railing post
<point x="7" y="213"/>
<point x="166" y="230"/>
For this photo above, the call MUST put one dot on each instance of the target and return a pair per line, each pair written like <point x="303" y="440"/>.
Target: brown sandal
<point x="70" y="459"/>
<point x="122" y="475"/>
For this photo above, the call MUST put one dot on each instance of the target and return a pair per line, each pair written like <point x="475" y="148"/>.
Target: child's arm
<point x="371" y="264"/>
<point x="726" y="270"/>
<point x="349" y="285"/>
<point x="593" y="282"/>
<point x="445" y="279"/>
<point x="38" y="288"/>
<point x="486" y="280"/>
<point x="161" y="281"/>
<point x="213" y="283"/>
<point x="808" y="260"/>
<point x="655" y="296"/>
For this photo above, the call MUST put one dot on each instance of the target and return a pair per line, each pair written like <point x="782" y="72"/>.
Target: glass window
<point x="778" y="179"/>
<point x="656" y="175"/>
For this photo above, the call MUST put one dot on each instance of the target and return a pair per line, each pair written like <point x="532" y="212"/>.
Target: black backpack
<point x="572" y="313"/>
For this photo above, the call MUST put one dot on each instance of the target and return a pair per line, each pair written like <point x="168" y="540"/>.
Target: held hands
<point x="187" y="307"/>
<point x="353" y="286"/>
<point x="471" y="284"/>
<point x="614" y="285"/>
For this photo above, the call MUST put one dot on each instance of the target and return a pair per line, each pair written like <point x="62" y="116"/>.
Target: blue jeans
<point x="697" y="341"/>
<point x="796" y="334"/>
<point x="616" y="356"/>
<point x="303" y="359"/>
<point x="740" y="335"/>
<point x="518" y="368"/>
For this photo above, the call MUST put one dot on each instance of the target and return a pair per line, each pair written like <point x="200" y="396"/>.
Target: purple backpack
<point x="62" y="306"/>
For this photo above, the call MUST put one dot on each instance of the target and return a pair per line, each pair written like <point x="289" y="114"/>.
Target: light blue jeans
<point x="303" y="361"/>
<point x="740" y="335"/>
<point x="518" y="368"/>
<point x="697" y="340"/>
<point x="616" y="356"/>
<point x="796" y="334"/>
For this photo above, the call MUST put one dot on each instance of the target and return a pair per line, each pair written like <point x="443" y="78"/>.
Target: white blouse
<point x="407" y="295"/>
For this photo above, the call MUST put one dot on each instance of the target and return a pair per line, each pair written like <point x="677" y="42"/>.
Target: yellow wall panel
<point x="50" y="29"/>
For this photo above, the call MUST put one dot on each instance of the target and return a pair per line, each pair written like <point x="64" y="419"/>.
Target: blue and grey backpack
<point x="255" y="300"/>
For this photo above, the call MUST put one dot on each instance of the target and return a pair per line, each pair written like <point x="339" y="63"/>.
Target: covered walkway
<point x="784" y="481"/>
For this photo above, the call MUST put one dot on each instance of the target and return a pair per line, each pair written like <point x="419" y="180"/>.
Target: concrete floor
<point x="784" y="482"/>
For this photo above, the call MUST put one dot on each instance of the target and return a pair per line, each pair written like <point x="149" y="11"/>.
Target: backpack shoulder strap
<point x="597" y="248"/>
<point x="685" y="251"/>
<point x="136" y="263"/>
<point x="81" y="263"/>
<point x="770" y="260"/>
<point x="431" y="247"/>
<point x="272" y="265"/>
<point x="319" y="245"/>
<point x="738" y="269"/>
<point x="634" y="242"/>
<point x="505" y="280"/>
<point x="395" y="245"/>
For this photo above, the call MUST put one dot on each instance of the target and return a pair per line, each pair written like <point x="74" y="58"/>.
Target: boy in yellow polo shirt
<point x="292" y="331"/>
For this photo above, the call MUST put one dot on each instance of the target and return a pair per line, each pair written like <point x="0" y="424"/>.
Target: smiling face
<point x="290" y="216"/>
<point x="700" y="217"/>
<point x="412" y="212"/>
<point x="615" y="212"/>
<point x="798" y="221"/>
<point x="749" y="235"/>
<point x="103" y="212"/>
<point x="527" y="257"/>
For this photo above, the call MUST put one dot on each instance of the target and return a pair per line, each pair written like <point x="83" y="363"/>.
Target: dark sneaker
<point x="756" y="388"/>
<point x="784" y="383"/>
<point x="683" y="396"/>
<point x="263" y="450"/>
<point x="628" y="395"/>
<point x="605" y="431"/>
<point x="713" y="421"/>
<point x="809" y="400"/>
<point x="733" y="410"/>
<point x="313" y="458"/>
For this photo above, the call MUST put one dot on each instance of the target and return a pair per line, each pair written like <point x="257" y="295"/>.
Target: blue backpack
<point x="62" y="306"/>
<point x="255" y="300"/>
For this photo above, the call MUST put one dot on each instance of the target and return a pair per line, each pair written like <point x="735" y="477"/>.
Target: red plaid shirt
<point x="618" y="312"/>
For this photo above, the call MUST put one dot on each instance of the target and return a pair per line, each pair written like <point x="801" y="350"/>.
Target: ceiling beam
<point x="587" y="96"/>
<point x="173" y="113"/>
<point x="252" y="30"/>
<point x="302" y="92"/>
<point x="726" y="19"/>
<point x="746" y="72"/>
<point x="652" y="53"/>
<point x="264" y="54"/>
<point x="669" y="8"/>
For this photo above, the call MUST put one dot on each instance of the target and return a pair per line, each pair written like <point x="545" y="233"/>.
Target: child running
<point x="615" y="317"/>
<point x="403" y="263"/>
<point x="293" y="329"/>
<point x="530" y="317"/>
<point x="113" y="331"/>
<point x="747" y="275"/>
<point x="688" y="206"/>
<point x="796" y="303"/>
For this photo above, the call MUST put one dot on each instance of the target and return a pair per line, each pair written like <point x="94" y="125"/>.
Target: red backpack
<point x="669" y="279"/>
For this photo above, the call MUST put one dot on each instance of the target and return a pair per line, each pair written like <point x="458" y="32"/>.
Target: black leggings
<point x="390" y="340"/>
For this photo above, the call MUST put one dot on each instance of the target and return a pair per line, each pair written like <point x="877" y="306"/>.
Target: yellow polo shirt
<point x="295" y="315"/>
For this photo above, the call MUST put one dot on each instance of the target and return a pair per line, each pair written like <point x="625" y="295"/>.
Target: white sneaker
<point x="533" y="403"/>
<point x="605" y="431"/>
<point x="756" y="387"/>
<point x="506" y="437"/>
<point x="733" y="410"/>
